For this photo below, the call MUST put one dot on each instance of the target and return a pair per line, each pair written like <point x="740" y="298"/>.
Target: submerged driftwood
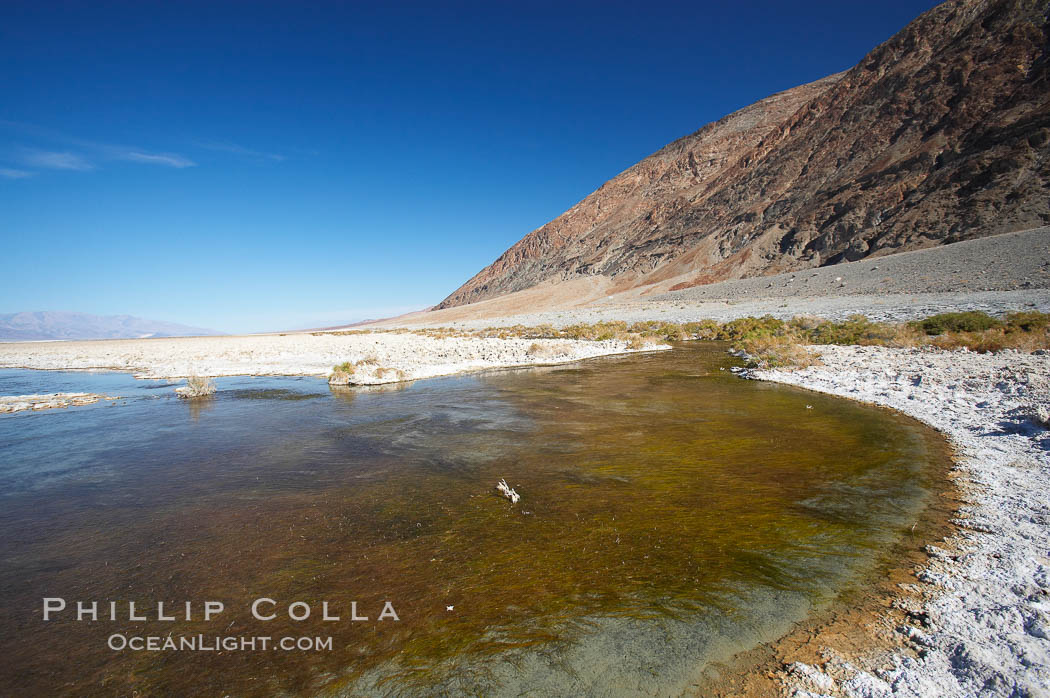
<point x="507" y="492"/>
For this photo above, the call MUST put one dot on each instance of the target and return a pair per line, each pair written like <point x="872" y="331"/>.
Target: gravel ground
<point x="996" y="274"/>
<point x="986" y="591"/>
<point x="886" y="308"/>
<point x="416" y="356"/>
<point x="1009" y="262"/>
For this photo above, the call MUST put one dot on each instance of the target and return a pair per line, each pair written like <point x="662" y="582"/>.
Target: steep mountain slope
<point x="16" y="327"/>
<point x="940" y="134"/>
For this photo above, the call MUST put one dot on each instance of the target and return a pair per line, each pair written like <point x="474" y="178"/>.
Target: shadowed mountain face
<point x="940" y="134"/>
<point x="25" y="327"/>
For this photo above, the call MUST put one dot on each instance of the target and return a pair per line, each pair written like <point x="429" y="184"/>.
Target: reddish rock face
<point x="940" y="134"/>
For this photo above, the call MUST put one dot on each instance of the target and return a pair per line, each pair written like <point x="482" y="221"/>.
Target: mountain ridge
<point x="63" y="325"/>
<point x="939" y="134"/>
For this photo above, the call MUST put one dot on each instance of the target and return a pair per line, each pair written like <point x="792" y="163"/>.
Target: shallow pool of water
<point x="671" y="514"/>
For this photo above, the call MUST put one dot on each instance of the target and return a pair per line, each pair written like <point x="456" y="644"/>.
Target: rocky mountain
<point x="24" y="327"/>
<point x="940" y="134"/>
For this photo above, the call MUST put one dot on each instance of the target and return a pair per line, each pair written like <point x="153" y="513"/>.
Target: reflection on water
<point x="670" y="515"/>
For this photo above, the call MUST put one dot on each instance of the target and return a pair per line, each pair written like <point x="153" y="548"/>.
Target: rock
<point x="811" y="676"/>
<point x="1036" y="414"/>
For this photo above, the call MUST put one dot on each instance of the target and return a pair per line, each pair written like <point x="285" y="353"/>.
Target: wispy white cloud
<point x="89" y="153"/>
<point x="233" y="148"/>
<point x="53" y="160"/>
<point x="14" y="174"/>
<point x="166" y="159"/>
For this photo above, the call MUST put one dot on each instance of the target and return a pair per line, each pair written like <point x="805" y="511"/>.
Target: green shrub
<point x="856" y="329"/>
<point x="751" y="327"/>
<point x="705" y="329"/>
<point x="1029" y="321"/>
<point x="968" y="321"/>
<point x="777" y="352"/>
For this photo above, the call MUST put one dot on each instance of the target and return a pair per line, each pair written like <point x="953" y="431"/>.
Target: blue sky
<point x="251" y="166"/>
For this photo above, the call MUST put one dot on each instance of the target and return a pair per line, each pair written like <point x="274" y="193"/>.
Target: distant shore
<point x="385" y="357"/>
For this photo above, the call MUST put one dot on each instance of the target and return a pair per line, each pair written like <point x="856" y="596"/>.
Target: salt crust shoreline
<point x="48" y="401"/>
<point x="986" y="591"/>
<point x="303" y="354"/>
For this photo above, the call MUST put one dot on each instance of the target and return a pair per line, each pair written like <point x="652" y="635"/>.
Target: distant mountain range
<point x="25" y="327"/>
<point x="940" y="134"/>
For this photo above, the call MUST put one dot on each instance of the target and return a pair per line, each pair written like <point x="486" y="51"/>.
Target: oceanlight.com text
<point x="216" y="643"/>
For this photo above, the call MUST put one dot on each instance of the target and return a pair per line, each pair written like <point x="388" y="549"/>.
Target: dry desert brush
<point x="773" y="343"/>
<point x="196" y="387"/>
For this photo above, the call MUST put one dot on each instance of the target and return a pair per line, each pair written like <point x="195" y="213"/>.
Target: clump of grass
<point x="968" y="321"/>
<point x="597" y="332"/>
<point x="637" y="341"/>
<point x="772" y="343"/>
<point x="1030" y="321"/>
<point x="551" y="350"/>
<point x="778" y="352"/>
<point x="857" y="329"/>
<point x="1026" y="331"/>
<point x="543" y="351"/>
<point x="342" y="373"/>
<point x="397" y="373"/>
<point x="196" y="387"/>
<point x="752" y="327"/>
<point x="806" y="322"/>
<point x="995" y="339"/>
<point x="705" y="329"/>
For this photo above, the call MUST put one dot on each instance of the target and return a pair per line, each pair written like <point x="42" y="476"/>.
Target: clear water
<point x="671" y="515"/>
